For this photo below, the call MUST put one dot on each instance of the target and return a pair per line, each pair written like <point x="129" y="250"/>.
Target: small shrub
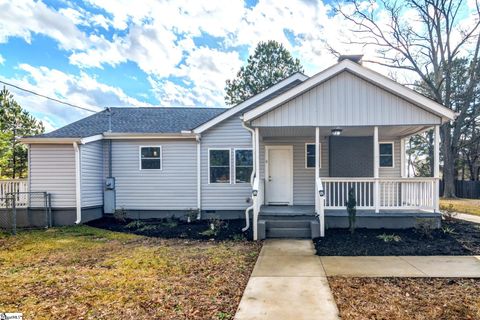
<point x="191" y="215"/>
<point x="215" y="226"/>
<point x="135" y="225"/>
<point x="352" y="210"/>
<point x="448" y="230"/>
<point x="223" y="315"/>
<point x="120" y="215"/>
<point x="449" y="212"/>
<point x="239" y="237"/>
<point x="424" y="229"/>
<point x="389" y="237"/>
<point x="170" y="223"/>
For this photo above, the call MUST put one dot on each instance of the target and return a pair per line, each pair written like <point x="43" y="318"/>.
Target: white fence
<point x="17" y="187"/>
<point x="407" y="193"/>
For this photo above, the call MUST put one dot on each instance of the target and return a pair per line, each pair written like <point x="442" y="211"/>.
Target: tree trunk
<point x="448" y="163"/>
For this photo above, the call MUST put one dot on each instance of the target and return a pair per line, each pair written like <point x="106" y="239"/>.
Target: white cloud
<point x="82" y="90"/>
<point x="2" y="59"/>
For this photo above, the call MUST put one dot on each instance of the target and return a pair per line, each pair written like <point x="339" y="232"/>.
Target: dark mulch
<point x="175" y="228"/>
<point x="406" y="298"/>
<point x="454" y="238"/>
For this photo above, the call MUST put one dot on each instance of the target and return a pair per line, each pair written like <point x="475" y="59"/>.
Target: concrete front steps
<point x="287" y="222"/>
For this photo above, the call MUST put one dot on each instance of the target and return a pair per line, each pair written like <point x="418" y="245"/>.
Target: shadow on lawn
<point x="454" y="238"/>
<point x="175" y="228"/>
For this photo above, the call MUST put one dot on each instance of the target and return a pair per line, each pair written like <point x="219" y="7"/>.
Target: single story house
<point x="285" y="159"/>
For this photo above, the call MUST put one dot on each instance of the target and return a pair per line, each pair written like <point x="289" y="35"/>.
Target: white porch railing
<point x="406" y="193"/>
<point x="19" y="187"/>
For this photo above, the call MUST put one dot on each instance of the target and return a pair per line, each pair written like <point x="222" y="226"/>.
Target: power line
<point x="47" y="97"/>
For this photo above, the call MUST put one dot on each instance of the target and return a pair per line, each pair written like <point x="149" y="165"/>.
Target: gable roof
<point x="254" y="101"/>
<point x="362" y="72"/>
<point x="137" y="120"/>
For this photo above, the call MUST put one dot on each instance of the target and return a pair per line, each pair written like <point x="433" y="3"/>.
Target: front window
<point x="150" y="158"/>
<point x="310" y="155"/>
<point x="219" y="166"/>
<point x="243" y="165"/>
<point x="386" y="154"/>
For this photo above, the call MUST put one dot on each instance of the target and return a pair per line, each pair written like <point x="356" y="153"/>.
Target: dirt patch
<point x="175" y="228"/>
<point x="406" y="298"/>
<point x="454" y="238"/>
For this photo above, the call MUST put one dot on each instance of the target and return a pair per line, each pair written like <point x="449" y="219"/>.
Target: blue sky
<point x="147" y="53"/>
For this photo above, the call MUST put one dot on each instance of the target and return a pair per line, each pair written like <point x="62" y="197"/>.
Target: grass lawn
<point x="87" y="273"/>
<point x="470" y="206"/>
<point x="406" y="298"/>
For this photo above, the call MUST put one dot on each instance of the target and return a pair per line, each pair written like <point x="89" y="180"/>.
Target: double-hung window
<point x="219" y="165"/>
<point x="310" y="156"/>
<point x="386" y="154"/>
<point x="243" y="165"/>
<point x="151" y="158"/>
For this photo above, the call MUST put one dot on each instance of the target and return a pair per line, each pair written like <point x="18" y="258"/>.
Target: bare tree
<point x="427" y="45"/>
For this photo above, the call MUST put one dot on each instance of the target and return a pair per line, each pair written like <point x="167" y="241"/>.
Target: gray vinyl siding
<point x="92" y="174"/>
<point x="303" y="178"/>
<point x="172" y="188"/>
<point x="346" y="100"/>
<point x="52" y="169"/>
<point x="220" y="196"/>
<point x="396" y="171"/>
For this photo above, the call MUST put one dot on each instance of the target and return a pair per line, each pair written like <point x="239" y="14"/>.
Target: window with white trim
<point x="310" y="155"/>
<point x="219" y="165"/>
<point x="386" y="154"/>
<point x="151" y="158"/>
<point x="243" y="165"/>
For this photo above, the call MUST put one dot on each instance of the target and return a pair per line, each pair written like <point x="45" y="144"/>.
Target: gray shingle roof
<point x="137" y="120"/>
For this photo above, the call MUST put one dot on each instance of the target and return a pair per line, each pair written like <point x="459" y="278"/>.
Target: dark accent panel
<point x="351" y="156"/>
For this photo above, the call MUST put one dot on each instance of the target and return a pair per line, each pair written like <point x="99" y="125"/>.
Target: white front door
<point x="279" y="175"/>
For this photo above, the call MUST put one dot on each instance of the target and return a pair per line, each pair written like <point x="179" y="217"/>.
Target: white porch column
<point x="376" y="164"/>
<point x="256" y="207"/>
<point x="436" y="168"/>
<point x="318" y="199"/>
<point x="402" y="158"/>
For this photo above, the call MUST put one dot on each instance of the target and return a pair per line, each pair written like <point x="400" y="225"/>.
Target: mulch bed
<point x="406" y="298"/>
<point x="456" y="237"/>
<point x="175" y="228"/>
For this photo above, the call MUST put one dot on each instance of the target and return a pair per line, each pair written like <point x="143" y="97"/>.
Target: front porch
<point x="305" y="174"/>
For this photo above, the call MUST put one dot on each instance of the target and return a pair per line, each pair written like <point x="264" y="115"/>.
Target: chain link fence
<point x="25" y="210"/>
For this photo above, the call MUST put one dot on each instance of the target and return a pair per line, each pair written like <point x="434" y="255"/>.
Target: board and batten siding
<point x="346" y="100"/>
<point x="92" y="176"/>
<point x="52" y="170"/>
<point x="221" y="196"/>
<point x="396" y="171"/>
<point x="174" y="187"/>
<point x="303" y="178"/>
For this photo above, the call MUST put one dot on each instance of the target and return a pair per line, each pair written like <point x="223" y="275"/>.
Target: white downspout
<point x="199" y="179"/>
<point x="252" y="176"/>
<point x="78" y="200"/>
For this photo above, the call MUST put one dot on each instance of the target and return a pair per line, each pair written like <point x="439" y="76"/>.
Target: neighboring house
<point x="290" y="154"/>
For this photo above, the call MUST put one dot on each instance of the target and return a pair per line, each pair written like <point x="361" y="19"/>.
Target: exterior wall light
<point x="336" y="131"/>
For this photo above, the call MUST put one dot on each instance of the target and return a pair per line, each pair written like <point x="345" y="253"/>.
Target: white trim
<point x="365" y="73"/>
<point x="436" y="168"/>
<point x="235" y="164"/>
<point x="78" y="184"/>
<point x="376" y="159"/>
<point x="92" y="139"/>
<point x="115" y="136"/>
<point x="393" y="154"/>
<point x="140" y="158"/>
<point x="229" y="166"/>
<point x="319" y="151"/>
<point x="280" y="147"/>
<point x="35" y="140"/>
<point x="239" y="107"/>
<point x="199" y="175"/>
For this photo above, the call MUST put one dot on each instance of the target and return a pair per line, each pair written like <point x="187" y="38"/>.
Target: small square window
<point x="243" y="165"/>
<point x="386" y="154"/>
<point x="150" y="158"/>
<point x="219" y="166"/>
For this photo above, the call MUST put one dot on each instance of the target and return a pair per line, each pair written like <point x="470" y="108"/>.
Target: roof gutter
<point x="78" y="194"/>
<point x="183" y="135"/>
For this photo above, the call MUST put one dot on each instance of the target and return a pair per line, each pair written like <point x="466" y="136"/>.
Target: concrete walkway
<point x="288" y="282"/>
<point x="403" y="266"/>
<point x="467" y="217"/>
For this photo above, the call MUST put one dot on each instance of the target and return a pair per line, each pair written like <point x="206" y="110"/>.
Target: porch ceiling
<point x="384" y="131"/>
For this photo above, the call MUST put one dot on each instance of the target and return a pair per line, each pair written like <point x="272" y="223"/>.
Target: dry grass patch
<point x="470" y="206"/>
<point x="88" y="273"/>
<point x="406" y="298"/>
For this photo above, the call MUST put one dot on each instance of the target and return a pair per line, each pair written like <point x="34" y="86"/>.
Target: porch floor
<point x="306" y="210"/>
